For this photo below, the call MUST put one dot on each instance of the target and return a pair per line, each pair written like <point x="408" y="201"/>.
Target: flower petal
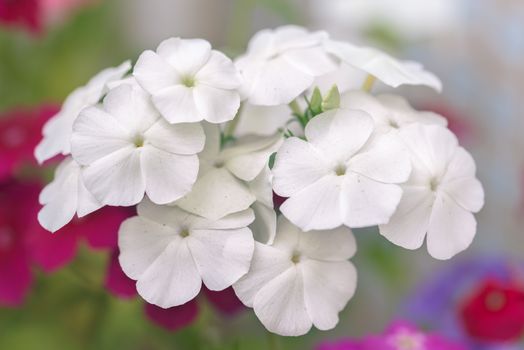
<point x="219" y="72"/>
<point x="177" y="104"/>
<point x="297" y="165"/>
<point x="266" y="264"/>
<point x="221" y="256"/>
<point x="334" y="245"/>
<point x="366" y="202"/>
<point x="215" y="104"/>
<point x="451" y="228"/>
<point x="316" y="207"/>
<point x="467" y="192"/>
<point x="217" y="194"/>
<point x="314" y="61"/>
<point x="280" y="305"/>
<point x="173" y="318"/>
<point x="117" y="178"/>
<point x="187" y="139"/>
<point x="153" y="73"/>
<point x="15" y="279"/>
<point x="408" y="226"/>
<point x="116" y="282"/>
<point x="265" y="225"/>
<point x="167" y="176"/>
<point x="328" y="286"/>
<point x="187" y="56"/>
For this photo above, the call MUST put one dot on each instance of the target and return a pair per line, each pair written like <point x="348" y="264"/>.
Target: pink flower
<point x="399" y="336"/>
<point x="23" y="243"/>
<point x="24" y="13"/>
<point x="174" y="318"/>
<point x="20" y="132"/>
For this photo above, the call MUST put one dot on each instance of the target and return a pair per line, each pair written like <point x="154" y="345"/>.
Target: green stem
<point x="273" y="341"/>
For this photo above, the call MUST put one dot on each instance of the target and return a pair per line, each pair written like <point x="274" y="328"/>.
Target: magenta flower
<point x="23" y="243"/>
<point x="20" y="132"/>
<point x="400" y="335"/>
<point x="21" y="13"/>
<point x="174" y="318"/>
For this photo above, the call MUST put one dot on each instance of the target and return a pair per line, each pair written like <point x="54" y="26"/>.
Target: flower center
<point x="340" y="170"/>
<point x="295" y="258"/>
<point x="495" y="301"/>
<point x="393" y="124"/>
<point x="184" y="232"/>
<point x="138" y="140"/>
<point x="188" y="81"/>
<point x="434" y="184"/>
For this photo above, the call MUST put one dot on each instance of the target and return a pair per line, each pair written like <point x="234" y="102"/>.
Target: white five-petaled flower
<point x="389" y="112"/>
<point x="382" y="66"/>
<point x="65" y="196"/>
<point x="340" y="175"/>
<point x="440" y="196"/>
<point x="189" y="81"/>
<point x="171" y="252"/>
<point x="223" y="187"/>
<point x="281" y="64"/>
<point x="57" y="131"/>
<point x="302" y="279"/>
<point x="128" y="150"/>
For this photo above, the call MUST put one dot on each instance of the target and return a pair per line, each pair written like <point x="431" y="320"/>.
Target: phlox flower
<point x="439" y="198"/>
<point x="281" y="64"/>
<point x="127" y="149"/>
<point x="57" y="131"/>
<point x="338" y="175"/>
<point x="301" y="279"/>
<point x="189" y="81"/>
<point x="170" y="252"/>
<point x="223" y="181"/>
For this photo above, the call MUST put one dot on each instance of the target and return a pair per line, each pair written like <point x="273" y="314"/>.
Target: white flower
<point x="189" y="81"/>
<point x="265" y="224"/>
<point x="222" y="187"/>
<point x="302" y="279"/>
<point x="57" y="131"/>
<point x="171" y="252"/>
<point x="65" y="196"/>
<point x="389" y="112"/>
<point x="440" y="196"/>
<point x="128" y="149"/>
<point x="265" y="120"/>
<point x="281" y="64"/>
<point x="345" y="77"/>
<point x="380" y="65"/>
<point x="337" y="177"/>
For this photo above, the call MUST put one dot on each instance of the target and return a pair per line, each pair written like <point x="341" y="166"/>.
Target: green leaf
<point x="316" y="102"/>
<point x="332" y="100"/>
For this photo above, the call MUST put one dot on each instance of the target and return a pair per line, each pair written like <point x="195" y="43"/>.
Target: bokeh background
<point x="49" y="47"/>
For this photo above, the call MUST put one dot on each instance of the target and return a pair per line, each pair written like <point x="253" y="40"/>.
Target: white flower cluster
<point x="164" y="138"/>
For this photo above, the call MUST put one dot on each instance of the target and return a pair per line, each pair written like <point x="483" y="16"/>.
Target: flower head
<point x="57" y="131"/>
<point x="189" y="81"/>
<point x="127" y="150"/>
<point x="171" y="252"/>
<point x="338" y="175"/>
<point x="440" y="197"/>
<point x="281" y="64"/>
<point x="382" y="66"/>
<point x="300" y="280"/>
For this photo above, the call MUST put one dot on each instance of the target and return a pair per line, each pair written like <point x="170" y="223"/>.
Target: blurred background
<point x="65" y="292"/>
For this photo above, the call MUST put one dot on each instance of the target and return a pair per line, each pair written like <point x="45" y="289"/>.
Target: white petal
<point x="316" y="207"/>
<point x="186" y="139"/>
<point x="261" y="187"/>
<point x="221" y="256"/>
<point x="87" y="203"/>
<point x="461" y="165"/>
<point x="117" y="178"/>
<point x="186" y="55"/>
<point x="96" y="135"/>
<point x="276" y="82"/>
<point x="402" y="111"/>
<point x="219" y="72"/>
<point x="382" y="66"/>
<point x="153" y="73"/>
<point x="408" y="226"/>
<point x="266" y="264"/>
<point x="217" y="194"/>
<point x="216" y="105"/>
<point x="451" y="228"/>
<point x="297" y="165"/>
<point x="385" y="160"/>
<point x="212" y="144"/>
<point x="313" y="61"/>
<point x="56" y="140"/>
<point x="168" y="176"/>
<point x="366" y="202"/>
<point x="328" y="286"/>
<point x="345" y="77"/>
<point x="265" y="225"/>
<point x="264" y="120"/>
<point x="236" y="220"/>
<point x="177" y="104"/>
<point x="280" y="305"/>
<point x="467" y="192"/>
<point x="339" y="133"/>
<point x="334" y="245"/>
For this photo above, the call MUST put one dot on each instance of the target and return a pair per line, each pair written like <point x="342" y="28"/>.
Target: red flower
<point x="495" y="311"/>
<point x="174" y="318"/>
<point x="20" y="132"/>
<point x="24" y="13"/>
<point x="23" y="243"/>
